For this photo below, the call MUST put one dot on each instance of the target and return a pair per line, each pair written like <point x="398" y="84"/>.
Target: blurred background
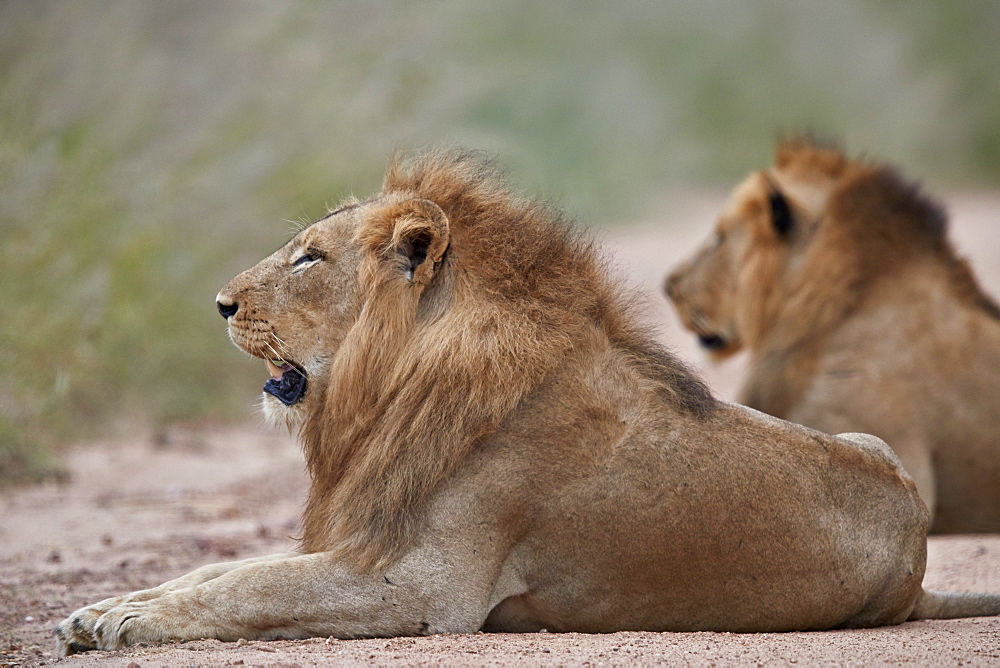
<point x="151" y="150"/>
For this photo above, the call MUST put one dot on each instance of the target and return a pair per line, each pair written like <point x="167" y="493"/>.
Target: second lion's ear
<point x="420" y="237"/>
<point x="781" y="213"/>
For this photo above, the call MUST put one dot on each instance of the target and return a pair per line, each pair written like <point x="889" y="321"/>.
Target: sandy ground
<point x="139" y="512"/>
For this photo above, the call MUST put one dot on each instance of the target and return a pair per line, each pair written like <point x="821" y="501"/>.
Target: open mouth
<point x="288" y="381"/>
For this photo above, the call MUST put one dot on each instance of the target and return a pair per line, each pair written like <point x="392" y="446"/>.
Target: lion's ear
<point x="420" y="236"/>
<point x="781" y="212"/>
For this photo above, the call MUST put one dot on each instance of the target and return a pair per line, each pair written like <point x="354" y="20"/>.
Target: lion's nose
<point x="227" y="307"/>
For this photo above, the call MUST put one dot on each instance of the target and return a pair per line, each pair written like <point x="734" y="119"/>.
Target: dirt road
<point x="136" y="515"/>
<point x="139" y="511"/>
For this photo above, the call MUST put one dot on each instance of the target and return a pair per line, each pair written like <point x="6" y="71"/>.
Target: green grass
<point x="149" y="150"/>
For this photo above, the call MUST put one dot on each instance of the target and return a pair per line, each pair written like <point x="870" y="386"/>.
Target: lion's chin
<point x="278" y="414"/>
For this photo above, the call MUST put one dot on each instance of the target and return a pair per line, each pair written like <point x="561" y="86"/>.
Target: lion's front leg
<point x="305" y="596"/>
<point x="77" y="632"/>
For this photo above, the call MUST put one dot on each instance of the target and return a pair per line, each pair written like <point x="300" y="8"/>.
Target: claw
<point x="64" y="645"/>
<point x="77" y="648"/>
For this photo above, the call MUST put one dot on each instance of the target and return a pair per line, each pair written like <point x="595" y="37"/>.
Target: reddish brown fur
<point x="426" y="373"/>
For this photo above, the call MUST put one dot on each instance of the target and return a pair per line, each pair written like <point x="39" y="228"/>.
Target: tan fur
<point x="863" y="318"/>
<point x="494" y="444"/>
<point x="414" y="388"/>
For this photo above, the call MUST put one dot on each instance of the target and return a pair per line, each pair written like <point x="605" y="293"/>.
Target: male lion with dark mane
<point x="838" y="277"/>
<point x="495" y="444"/>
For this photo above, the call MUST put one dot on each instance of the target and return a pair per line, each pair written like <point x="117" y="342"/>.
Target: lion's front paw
<point x="119" y="626"/>
<point x="159" y="620"/>
<point x="76" y="632"/>
<point x="106" y="627"/>
<point x="110" y="624"/>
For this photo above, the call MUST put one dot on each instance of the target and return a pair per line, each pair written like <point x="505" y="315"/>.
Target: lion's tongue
<point x="287" y="383"/>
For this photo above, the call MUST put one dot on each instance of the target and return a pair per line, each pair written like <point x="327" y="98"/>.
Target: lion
<point x="495" y="444"/>
<point x="838" y="278"/>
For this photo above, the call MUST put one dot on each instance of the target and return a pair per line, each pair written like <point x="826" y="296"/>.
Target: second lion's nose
<point x="227" y="307"/>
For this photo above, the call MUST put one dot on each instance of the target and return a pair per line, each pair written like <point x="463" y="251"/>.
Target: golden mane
<point x="874" y="222"/>
<point x="808" y="158"/>
<point x="425" y="374"/>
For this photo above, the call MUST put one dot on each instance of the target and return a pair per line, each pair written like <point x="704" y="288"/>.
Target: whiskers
<point x="282" y="346"/>
<point x="259" y="344"/>
<point x="296" y="226"/>
<point x="278" y="349"/>
<point x="274" y="354"/>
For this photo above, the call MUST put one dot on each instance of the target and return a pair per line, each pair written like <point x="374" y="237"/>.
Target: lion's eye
<point x="308" y="257"/>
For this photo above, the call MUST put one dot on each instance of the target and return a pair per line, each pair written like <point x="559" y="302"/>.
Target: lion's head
<point x="402" y="329"/>
<point x="296" y="308"/>
<point x="730" y="292"/>
<point x="799" y="245"/>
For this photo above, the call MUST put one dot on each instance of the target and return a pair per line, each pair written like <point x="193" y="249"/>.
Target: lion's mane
<point x="426" y="374"/>
<point x="874" y="222"/>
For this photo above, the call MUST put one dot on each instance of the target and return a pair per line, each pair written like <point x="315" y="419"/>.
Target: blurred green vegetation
<point x="151" y="150"/>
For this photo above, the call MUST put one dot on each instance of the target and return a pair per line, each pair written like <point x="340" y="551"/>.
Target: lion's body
<point x="493" y="444"/>
<point x="860" y="318"/>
